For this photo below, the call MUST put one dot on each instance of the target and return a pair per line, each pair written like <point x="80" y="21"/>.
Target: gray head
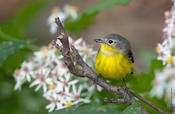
<point x="115" y="40"/>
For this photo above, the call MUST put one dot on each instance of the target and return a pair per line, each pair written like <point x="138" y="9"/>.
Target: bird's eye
<point x="110" y="41"/>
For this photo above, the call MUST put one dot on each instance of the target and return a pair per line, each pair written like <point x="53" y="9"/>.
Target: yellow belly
<point x="114" y="67"/>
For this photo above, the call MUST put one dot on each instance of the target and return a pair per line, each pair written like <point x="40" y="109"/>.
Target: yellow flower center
<point x="170" y="60"/>
<point x="55" y="10"/>
<point x="45" y="52"/>
<point x="73" y="8"/>
<point x="86" y="50"/>
<point x="157" y="48"/>
<point x="51" y="86"/>
<point x="68" y="104"/>
<point x="56" y="52"/>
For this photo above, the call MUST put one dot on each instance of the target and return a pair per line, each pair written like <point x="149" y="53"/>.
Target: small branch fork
<point x="86" y="71"/>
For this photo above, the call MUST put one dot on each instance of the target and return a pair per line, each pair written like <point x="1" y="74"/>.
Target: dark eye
<point x="110" y="41"/>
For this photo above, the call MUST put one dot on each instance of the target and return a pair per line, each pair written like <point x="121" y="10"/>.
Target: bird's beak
<point x="99" y="41"/>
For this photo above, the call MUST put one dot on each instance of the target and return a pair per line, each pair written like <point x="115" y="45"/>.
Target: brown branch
<point x="123" y="100"/>
<point x="86" y="71"/>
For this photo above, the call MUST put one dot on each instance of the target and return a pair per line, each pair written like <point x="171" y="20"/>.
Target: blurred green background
<point x="141" y="22"/>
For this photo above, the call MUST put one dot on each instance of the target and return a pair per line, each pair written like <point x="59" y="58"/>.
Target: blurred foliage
<point x="14" y="28"/>
<point x="14" y="44"/>
<point x="146" y="56"/>
<point x="88" y="16"/>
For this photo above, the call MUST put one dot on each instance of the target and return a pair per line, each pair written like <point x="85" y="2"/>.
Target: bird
<point x="114" y="59"/>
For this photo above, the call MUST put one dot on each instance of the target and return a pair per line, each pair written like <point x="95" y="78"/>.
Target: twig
<point x="145" y="101"/>
<point x="86" y="71"/>
<point x="116" y="100"/>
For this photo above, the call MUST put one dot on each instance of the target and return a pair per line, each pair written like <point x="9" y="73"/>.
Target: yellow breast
<point x="115" y="66"/>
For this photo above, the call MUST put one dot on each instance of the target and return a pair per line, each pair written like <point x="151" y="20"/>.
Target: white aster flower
<point x="18" y="79"/>
<point x="71" y="11"/>
<point x="159" y="84"/>
<point x="66" y="80"/>
<point x="51" y="20"/>
<point x="48" y="71"/>
<point x="42" y="80"/>
<point x="27" y="70"/>
<point x="84" y="50"/>
<point x="54" y="88"/>
<point x="164" y="82"/>
<point x="61" y="68"/>
<point x="54" y="102"/>
<point x="77" y="95"/>
<point x="18" y="84"/>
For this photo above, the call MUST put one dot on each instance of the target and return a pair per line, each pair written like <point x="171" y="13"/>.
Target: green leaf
<point x="81" y="23"/>
<point x="5" y="36"/>
<point x="142" y="82"/>
<point x="106" y="4"/>
<point x="89" y="109"/>
<point x="11" y="47"/>
<point x="10" y="29"/>
<point x="88" y="17"/>
<point x="133" y="109"/>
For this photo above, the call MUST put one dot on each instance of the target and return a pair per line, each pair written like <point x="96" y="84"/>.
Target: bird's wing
<point x="130" y="56"/>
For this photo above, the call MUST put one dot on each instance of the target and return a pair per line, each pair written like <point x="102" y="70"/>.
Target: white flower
<point x="61" y="68"/>
<point x="159" y="84"/>
<point x="158" y="92"/>
<point x="53" y="104"/>
<point x="19" y="79"/>
<point x="48" y="71"/>
<point x="39" y="55"/>
<point x="71" y="11"/>
<point x="77" y="95"/>
<point x="66" y="80"/>
<point x="54" y="88"/>
<point x="42" y="80"/>
<point x="90" y="90"/>
<point x="84" y="50"/>
<point x="26" y="71"/>
<point x="60" y="106"/>
<point x="23" y="74"/>
<point x="18" y="85"/>
<point x="51" y="20"/>
<point x="163" y="82"/>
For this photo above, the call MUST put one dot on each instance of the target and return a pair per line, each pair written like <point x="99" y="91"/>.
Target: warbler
<point x="114" y="59"/>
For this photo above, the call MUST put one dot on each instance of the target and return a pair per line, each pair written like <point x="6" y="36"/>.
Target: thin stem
<point x="146" y="101"/>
